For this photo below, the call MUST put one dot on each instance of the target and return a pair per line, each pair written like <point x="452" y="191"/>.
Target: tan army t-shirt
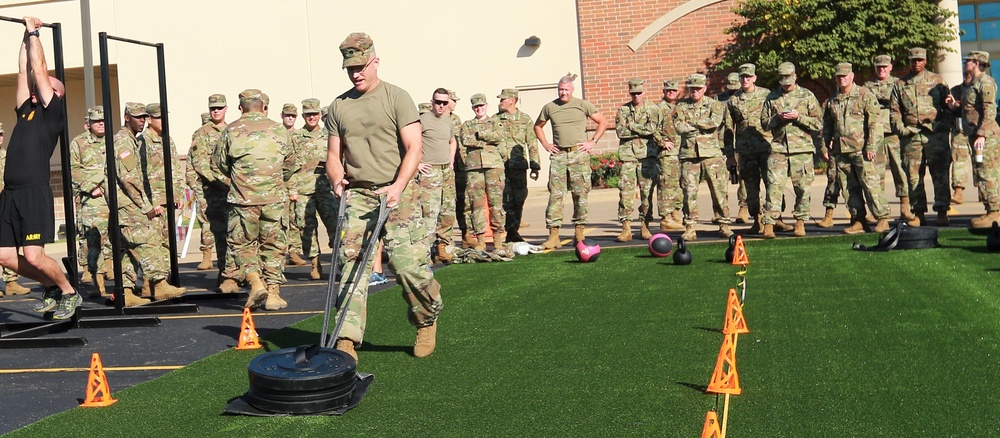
<point x="569" y="121"/>
<point x="437" y="133"/>
<point x="368" y="126"/>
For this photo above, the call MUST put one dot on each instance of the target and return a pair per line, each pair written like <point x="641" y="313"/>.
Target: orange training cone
<point x="711" y="429"/>
<point x="740" y="253"/>
<point x="248" y="333"/>
<point x="98" y="393"/>
<point x="735" y="323"/>
<point x="725" y="379"/>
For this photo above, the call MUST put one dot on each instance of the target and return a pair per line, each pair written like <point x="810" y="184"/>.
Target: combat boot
<point x="86" y="278"/>
<point x="942" y="219"/>
<point x="480" y="242"/>
<point x="469" y="240"/>
<point x="882" y="225"/>
<point x="743" y="216"/>
<point x="768" y="232"/>
<point x="229" y="286"/>
<point x="347" y="346"/>
<point x="578" y="233"/>
<point x="669" y="224"/>
<point x="724" y="231"/>
<point x="258" y="291"/>
<point x="678" y="216"/>
<point x="904" y="209"/>
<point x="165" y="291"/>
<point x="644" y="230"/>
<point x="827" y="221"/>
<point x="426" y="340"/>
<point x="317" y="270"/>
<point x="690" y="234"/>
<point x="780" y="225"/>
<point x="442" y="254"/>
<point x="986" y="220"/>
<point x="855" y="228"/>
<point x="99" y="289"/>
<point x="626" y="234"/>
<point x="294" y="259"/>
<point x="14" y="288"/>
<point x="755" y="228"/>
<point x="131" y="300"/>
<point x="553" y="242"/>
<point x="957" y="197"/>
<point x="499" y="239"/>
<point x="274" y="301"/>
<point x="916" y="220"/>
<point x="145" y="288"/>
<point x="800" y="228"/>
<point x="206" y="260"/>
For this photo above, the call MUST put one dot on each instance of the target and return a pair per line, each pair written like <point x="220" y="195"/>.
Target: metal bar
<point x="67" y="173"/>
<point x="117" y="322"/>
<point x="114" y="227"/>
<point x="21" y="20"/>
<point x="128" y="40"/>
<point x="175" y="277"/>
<point x="145" y="309"/>
<point x="32" y="329"/>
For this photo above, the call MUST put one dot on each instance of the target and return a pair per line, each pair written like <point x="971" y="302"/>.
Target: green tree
<point x="817" y="34"/>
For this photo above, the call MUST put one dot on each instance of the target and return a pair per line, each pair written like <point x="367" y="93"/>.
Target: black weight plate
<point x="277" y="371"/>
<point x="305" y="396"/>
<point x="286" y="392"/>
<point x="918" y="238"/>
<point x="307" y="407"/>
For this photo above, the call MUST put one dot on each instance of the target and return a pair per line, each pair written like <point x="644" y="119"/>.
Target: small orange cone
<point x="740" y="253"/>
<point x="248" y="333"/>
<point x="98" y="392"/>
<point x="725" y="379"/>
<point x="711" y="429"/>
<point x="735" y="323"/>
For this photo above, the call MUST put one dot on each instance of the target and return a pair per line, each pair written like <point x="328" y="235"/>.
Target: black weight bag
<point x="903" y="237"/>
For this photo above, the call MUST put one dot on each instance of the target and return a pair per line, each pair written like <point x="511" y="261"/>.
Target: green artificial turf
<point x="841" y="344"/>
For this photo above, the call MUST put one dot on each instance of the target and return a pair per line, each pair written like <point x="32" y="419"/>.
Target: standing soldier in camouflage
<point x="793" y="116"/>
<point x="437" y="174"/>
<point x="315" y="195"/>
<point x="514" y="137"/>
<point x="852" y="131"/>
<point x="753" y="143"/>
<point x="637" y="128"/>
<point x="733" y="86"/>
<point x="569" y="165"/>
<point x="961" y="160"/>
<point x="670" y="198"/>
<point x="424" y="107"/>
<point x="209" y="191"/>
<point x="699" y="122"/>
<point x="920" y="116"/>
<point x="484" y="161"/>
<point x="9" y="276"/>
<point x="153" y="167"/>
<point x="140" y="218"/>
<point x="833" y="186"/>
<point x="979" y="113"/>
<point x="289" y="113"/>
<point x="374" y="150"/>
<point x="206" y="118"/>
<point x="87" y="153"/>
<point x="295" y="220"/>
<point x="258" y="157"/>
<point x="888" y="153"/>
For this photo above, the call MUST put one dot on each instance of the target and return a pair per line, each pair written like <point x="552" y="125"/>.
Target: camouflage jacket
<point x="132" y="198"/>
<point x="667" y="132"/>
<point x="850" y="122"/>
<point x="979" y="108"/>
<point x="917" y="104"/>
<point x="883" y="93"/>
<point x="190" y="176"/>
<point x="743" y="110"/>
<point x="151" y="154"/>
<point x="637" y="130"/>
<point x="514" y="135"/>
<point x="479" y="154"/>
<point x="203" y="144"/>
<point x="258" y="156"/>
<point x="311" y="151"/>
<point x="699" y="125"/>
<point x="456" y="126"/>
<point x="89" y="165"/>
<point x="792" y="136"/>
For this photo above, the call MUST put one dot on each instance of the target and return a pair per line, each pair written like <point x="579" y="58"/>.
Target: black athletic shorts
<point x="27" y="216"/>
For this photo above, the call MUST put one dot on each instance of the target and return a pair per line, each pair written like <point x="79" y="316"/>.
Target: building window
<point x="980" y="25"/>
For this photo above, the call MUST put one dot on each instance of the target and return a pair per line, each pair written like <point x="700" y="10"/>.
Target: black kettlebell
<point x="731" y="251"/>
<point x="993" y="239"/>
<point x="681" y="255"/>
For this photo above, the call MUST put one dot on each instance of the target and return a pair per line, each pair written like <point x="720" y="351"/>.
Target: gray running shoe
<point x="49" y="300"/>
<point x="67" y="306"/>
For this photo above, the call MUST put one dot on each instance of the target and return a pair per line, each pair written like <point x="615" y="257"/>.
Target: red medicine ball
<point x="587" y="251"/>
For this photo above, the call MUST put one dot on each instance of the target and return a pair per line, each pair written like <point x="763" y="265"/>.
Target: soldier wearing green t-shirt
<point x="569" y="166"/>
<point x="374" y="149"/>
<point x="437" y="172"/>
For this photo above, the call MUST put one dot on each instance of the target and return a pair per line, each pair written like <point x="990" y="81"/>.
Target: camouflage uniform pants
<point x="515" y="192"/>
<point x="217" y="213"/>
<point x="483" y="185"/>
<point x="890" y="153"/>
<point x="833" y="183"/>
<point x="669" y="196"/>
<point x="568" y="171"/>
<point x="861" y="181"/>
<point x="961" y="161"/>
<point x="94" y="223"/>
<point x="781" y="167"/>
<point x="207" y="237"/>
<point x="407" y="244"/>
<point x="752" y="167"/>
<point x="296" y="222"/>
<point x="143" y="241"/>
<point x="324" y="205"/>
<point x="257" y="241"/>
<point x="988" y="175"/>
<point x="644" y="173"/>
<point x="927" y="152"/>
<point x="437" y="201"/>
<point x="712" y="170"/>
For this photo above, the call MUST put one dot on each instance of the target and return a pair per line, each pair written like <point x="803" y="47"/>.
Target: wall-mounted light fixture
<point x="533" y="41"/>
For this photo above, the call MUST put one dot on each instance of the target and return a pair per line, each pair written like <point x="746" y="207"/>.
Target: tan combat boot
<point x="986" y="220"/>
<point x="469" y="240"/>
<point x="957" y="197"/>
<point x="206" y="260"/>
<point x="578" y="233"/>
<point x="229" y="286"/>
<point x="904" y="209"/>
<point x="724" y="231"/>
<point x="165" y="291"/>
<point x="86" y="278"/>
<point x="669" y="224"/>
<point x="780" y="225"/>
<point x="553" y="242"/>
<point x="317" y="270"/>
<point x="426" y="340"/>
<point x="916" y="220"/>
<point x="626" y="234"/>
<point x="294" y="259"/>
<point x="856" y="227"/>
<point x="99" y="288"/>
<point x="480" y="242"/>
<point x="131" y="300"/>
<point x="768" y="232"/>
<point x="678" y="216"/>
<point x="499" y="239"/>
<point x="14" y="288"/>
<point x="443" y="256"/>
<point x="882" y="225"/>
<point x="690" y="234"/>
<point x="827" y="221"/>
<point x="800" y="228"/>
<point x="258" y="291"/>
<point x="347" y="346"/>
<point x="146" y="292"/>
<point x="274" y="301"/>
<point x="743" y="216"/>
<point x="644" y="230"/>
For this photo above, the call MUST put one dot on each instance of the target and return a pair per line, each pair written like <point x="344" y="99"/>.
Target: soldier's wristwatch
<point x="34" y="32"/>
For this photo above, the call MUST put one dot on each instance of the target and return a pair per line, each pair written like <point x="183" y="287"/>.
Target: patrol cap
<point x="507" y="93"/>
<point x="983" y="58"/>
<point x="135" y="109"/>
<point x="424" y="107"/>
<point x="918" y="53"/>
<point x="697" y="80"/>
<point x="670" y="85"/>
<point x="635" y="85"/>
<point x="324" y="111"/>
<point x="290" y="109"/>
<point x="843" y="69"/>
<point x="217" y="101"/>
<point x="205" y="118"/>
<point x="251" y="95"/>
<point x="748" y="70"/>
<point x="357" y="48"/>
<point x="478" y="99"/>
<point x="95" y="113"/>
<point x="883" y="60"/>
<point x="310" y="106"/>
<point x="786" y="73"/>
<point x="153" y="110"/>
<point x="264" y="99"/>
<point x="733" y="81"/>
<point x="453" y="96"/>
